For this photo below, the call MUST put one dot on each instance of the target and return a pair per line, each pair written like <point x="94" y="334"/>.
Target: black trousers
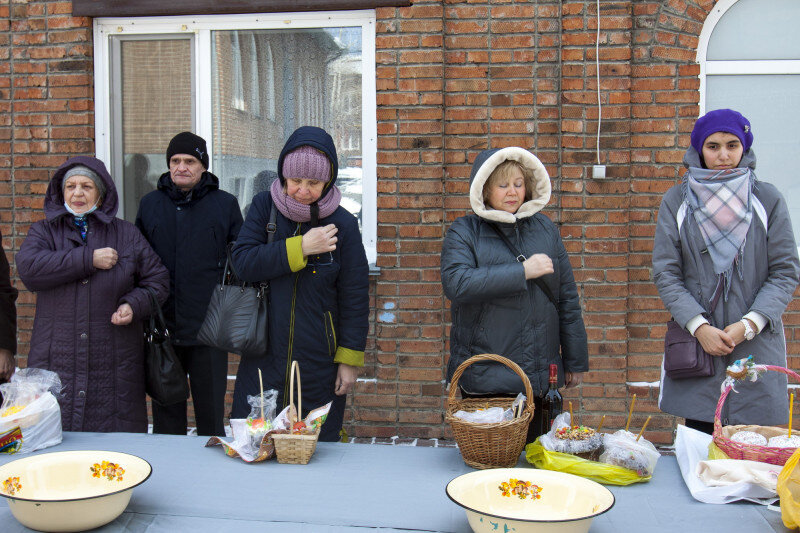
<point x="208" y="380"/>
<point x="699" y="425"/>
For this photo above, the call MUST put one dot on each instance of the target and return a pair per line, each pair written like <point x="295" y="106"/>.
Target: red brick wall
<point x="46" y="115"/>
<point x="453" y="78"/>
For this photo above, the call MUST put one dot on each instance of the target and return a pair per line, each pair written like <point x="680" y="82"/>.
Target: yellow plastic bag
<point x="607" y="474"/>
<point x="789" y="491"/>
<point x="715" y="453"/>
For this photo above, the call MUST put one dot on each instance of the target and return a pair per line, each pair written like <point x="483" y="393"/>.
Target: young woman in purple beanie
<point x="724" y="235"/>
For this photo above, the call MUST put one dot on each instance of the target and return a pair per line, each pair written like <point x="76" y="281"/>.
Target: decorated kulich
<point x="632" y="459"/>
<point x="582" y="441"/>
<point x="784" y="441"/>
<point x="749" y="437"/>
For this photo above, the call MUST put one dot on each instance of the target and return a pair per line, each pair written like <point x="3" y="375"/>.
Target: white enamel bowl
<point x="567" y="503"/>
<point x="58" y="491"/>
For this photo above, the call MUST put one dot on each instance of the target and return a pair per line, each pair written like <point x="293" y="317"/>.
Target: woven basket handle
<point x="497" y="359"/>
<point x="724" y="395"/>
<point x="295" y="371"/>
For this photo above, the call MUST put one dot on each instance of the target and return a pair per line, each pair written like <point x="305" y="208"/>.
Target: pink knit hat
<point x="307" y="162"/>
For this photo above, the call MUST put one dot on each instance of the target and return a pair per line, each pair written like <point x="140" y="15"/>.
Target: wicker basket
<point x="495" y="445"/>
<point x="289" y="448"/>
<point x="753" y="452"/>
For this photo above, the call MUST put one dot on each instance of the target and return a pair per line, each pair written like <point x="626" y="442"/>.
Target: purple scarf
<point x="298" y="212"/>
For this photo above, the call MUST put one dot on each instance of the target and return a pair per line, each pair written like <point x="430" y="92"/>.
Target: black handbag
<point x="165" y="379"/>
<point x="236" y="319"/>
<point x="684" y="356"/>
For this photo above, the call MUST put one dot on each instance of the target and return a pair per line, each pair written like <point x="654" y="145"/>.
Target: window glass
<point x="288" y="78"/>
<point x="757" y="29"/>
<point x="774" y="115"/>
<point x="155" y="76"/>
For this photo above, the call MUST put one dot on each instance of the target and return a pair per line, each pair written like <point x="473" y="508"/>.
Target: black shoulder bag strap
<point x="272" y="226"/>
<point x="229" y="274"/>
<point x="158" y="325"/>
<point x="520" y="258"/>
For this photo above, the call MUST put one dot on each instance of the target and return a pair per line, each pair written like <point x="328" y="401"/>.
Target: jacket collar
<point x="208" y="182"/>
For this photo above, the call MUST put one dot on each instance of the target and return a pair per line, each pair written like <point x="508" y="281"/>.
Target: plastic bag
<point x="29" y="403"/>
<point x="39" y="378"/>
<point x="482" y="416"/>
<point x="251" y="441"/>
<point x="537" y="455"/>
<point x="261" y="414"/>
<point x="789" y="491"/>
<point x="585" y="441"/>
<point x="492" y="415"/>
<point x="622" y="449"/>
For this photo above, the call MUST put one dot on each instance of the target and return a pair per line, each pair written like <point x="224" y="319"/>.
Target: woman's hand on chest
<point x="320" y="240"/>
<point x="538" y="265"/>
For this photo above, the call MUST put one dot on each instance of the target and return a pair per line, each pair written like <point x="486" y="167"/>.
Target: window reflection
<point x="267" y="83"/>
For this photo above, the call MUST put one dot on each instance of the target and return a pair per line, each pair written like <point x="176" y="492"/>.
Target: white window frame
<point x="202" y="26"/>
<point x="733" y="68"/>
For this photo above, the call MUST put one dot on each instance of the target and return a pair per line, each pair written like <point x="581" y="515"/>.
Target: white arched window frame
<point x="732" y="68"/>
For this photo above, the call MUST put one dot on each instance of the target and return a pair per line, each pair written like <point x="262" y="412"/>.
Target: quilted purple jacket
<point x="100" y="365"/>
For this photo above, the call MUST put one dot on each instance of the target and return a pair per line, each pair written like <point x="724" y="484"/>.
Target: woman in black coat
<point x="498" y="304"/>
<point x="318" y="275"/>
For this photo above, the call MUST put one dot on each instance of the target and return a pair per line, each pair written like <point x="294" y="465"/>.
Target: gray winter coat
<point x="685" y="278"/>
<point x="494" y="309"/>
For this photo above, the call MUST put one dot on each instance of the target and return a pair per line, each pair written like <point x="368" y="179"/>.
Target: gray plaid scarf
<point x="720" y="203"/>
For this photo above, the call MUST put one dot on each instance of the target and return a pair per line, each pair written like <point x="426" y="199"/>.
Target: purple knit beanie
<point x="726" y="120"/>
<point x="307" y="162"/>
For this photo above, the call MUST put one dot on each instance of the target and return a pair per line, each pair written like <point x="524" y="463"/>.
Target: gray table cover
<point x="353" y="487"/>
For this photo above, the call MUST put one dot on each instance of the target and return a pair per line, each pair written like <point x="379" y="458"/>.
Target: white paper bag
<point x="691" y="447"/>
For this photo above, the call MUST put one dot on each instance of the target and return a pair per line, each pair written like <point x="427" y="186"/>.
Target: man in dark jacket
<point x="189" y="222"/>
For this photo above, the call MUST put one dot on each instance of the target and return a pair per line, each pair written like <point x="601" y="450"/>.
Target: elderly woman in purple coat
<point x="91" y="272"/>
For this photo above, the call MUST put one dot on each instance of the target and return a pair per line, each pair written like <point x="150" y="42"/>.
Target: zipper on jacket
<point x="330" y="332"/>
<point x="291" y="343"/>
<point x="290" y="349"/>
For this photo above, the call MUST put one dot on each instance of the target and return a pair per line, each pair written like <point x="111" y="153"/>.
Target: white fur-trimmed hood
<point x="483" y="167"/>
